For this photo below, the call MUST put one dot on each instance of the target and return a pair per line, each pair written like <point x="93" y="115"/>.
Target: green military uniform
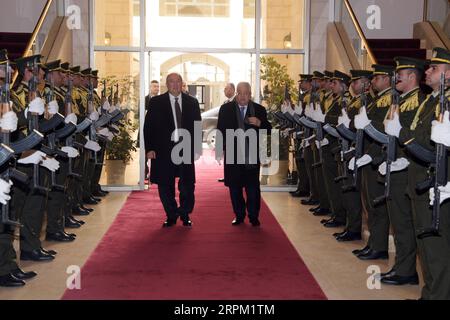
<point x="330" y="169"/>
<point x="434" y="252"/>
<point x="324" y="202"/>
<point x="371" y="188"/>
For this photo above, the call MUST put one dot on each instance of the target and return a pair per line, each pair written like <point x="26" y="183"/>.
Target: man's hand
<point x="254" y="121"/>
<point x="151" y="155"/>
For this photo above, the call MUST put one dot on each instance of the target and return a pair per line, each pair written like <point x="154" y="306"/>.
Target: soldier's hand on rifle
<point x="323" y="143"/>
<point x="344" y="119"/>
<point x="361" y="119"/>
<point x="50" y="163"/>
<point x="440" y="131"/>
<point x="5" y="189"/>
<point x="94" y="116"/>
<point x="53" y="107"/>
<point x="71" y="118"/>
<point x="445" y="193"/>
<point x="298" y="109"/>
<point x="318" y="115"/>
<point x="393" y="127"/>
<point x="34" y="158"/>
<point x="106" y="106"/>
<point x="92" y="145"/>
<point x="9" y="121"/>
<point x="397" y="165"/>
<point x="36" y="106"/>
<point x="364" y="160"/>
<point x="71" y="152"/>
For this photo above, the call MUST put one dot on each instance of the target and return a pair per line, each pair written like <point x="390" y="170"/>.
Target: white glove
<point x="9" y="121"/>
<point x="51" y="164"/>
<point x="298" y="109"/>
<point x="92" y="145"/>
<point x="37" y="106"/>
<point x="71" y="152"/>
<point x="440" y="132"/>
<point x="53" y="107"/>
<point x="35" y="158"/>
<point x="110" y="136"/>
<point x="72" y="118"/>
<point x="445" y="193"/>
<point x="393" y="127"/>
<point x="112" y="108"/>
<point x="106" y="106"/>
<point x="284" y="107"/>
<point x="344" y="119"/>
<point x="5" y="189"/>
<point x="104" y="132"/>
<point x="361" y="119"/>
<point x="397" y="165"/>
<point x="305" y="143"/>
<point x="364" y="160"/>
<point x="115" y="127"/>
<point x="320" y="117"/>
<point x="323" y="143"/>
<point x="94" y="116"/>
<point x="351" y="164"/>
<point x="309" y="110"/>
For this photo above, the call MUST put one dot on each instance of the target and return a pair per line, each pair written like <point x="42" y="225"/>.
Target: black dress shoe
<point x="314" y="209"/>
<point x="337" y="234"/>
<point x="374" y="255"/>
<point x="169" y="223"/>
<point x="70" y="234"/>
<point x="96" y="199"/>
<point x="35" y="255"/>
<point x="309" y="202"/>
<point x="400" y="280"/>
<point x="349" y="236"/>
<point x="323" y="221"/>
<point x="99" y="194"/>
<point x="237" y="221"/>
<point x="10" y="281"/>
<point x="187" y="223"/>
<point x="255" y="222"/>
<point x="90" y="201"/>
<point x="390" y="273"/>
<point x="221" y="180"/>
<point x="59" y="237"/>
<point x="69" y="223"/>
<point x="321" y="212"/>
<point x="104" y="191"/>
<point x="79" y="212"/>
<point x="333" y="224"/>
<point x="361" y="251"/>
<point x="52" y="252"/>
<point x="22" y="275"/>
<point x="76" y="220"/>
<point x="86" y="208"/>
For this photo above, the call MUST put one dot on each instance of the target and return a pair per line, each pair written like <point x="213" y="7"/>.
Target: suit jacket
<point x="241" y="174"/>
<point x="158" y="128"/>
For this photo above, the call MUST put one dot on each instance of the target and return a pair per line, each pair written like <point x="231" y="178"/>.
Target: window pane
<point x="206" y="74"/>
<point x="122" y="158"/>
<point x="282" y="24"/>
<point x="290" y="66"/>
<point x="201" y="24"/>
<point x="116" y="23"/>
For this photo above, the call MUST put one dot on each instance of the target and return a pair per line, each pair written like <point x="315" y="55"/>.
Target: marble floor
<point x="338" y="272"/>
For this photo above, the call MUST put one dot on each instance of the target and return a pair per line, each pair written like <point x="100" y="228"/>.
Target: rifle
<point x="389" y="142"/>
<point x="346" y="136"/>
<point x="33" y="124"/>
<point x="440" y="169"/>
<point x="319" y="132"/>
<point x="92" y="128"/>
<point x="359" y="145"/>
<point x="69" y="139"/>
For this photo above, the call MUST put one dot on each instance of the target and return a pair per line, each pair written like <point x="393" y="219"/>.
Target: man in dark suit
<point x="243" y="172"/>
<point x="168" y="113"/>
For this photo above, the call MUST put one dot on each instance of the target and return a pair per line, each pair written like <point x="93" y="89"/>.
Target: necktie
<point x="242" y="112"/>
<point x="178" y="113"/>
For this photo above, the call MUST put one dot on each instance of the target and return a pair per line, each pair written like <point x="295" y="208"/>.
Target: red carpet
<point x="138" y="259"/>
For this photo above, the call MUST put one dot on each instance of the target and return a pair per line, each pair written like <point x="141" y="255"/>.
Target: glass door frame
<point x="144" y="50"/>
